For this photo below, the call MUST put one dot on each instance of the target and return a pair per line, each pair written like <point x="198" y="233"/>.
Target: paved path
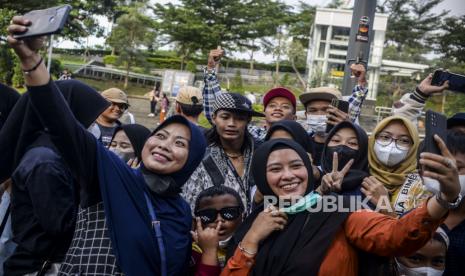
<point x="140" y="107"/>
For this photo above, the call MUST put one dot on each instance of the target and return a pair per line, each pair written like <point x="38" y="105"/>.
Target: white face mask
<point x="434" y="187"/>
<point x="224" y="243"/>
<point x="418" y="271"/>
<point x="389" y="155"/>
<point x="317" y="123"/>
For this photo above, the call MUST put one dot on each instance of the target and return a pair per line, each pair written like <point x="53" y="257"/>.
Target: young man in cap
<point x="228" y="158"/>
<point x="320" y="112"/>
<point x="189" y="103"/>
<point x="279" y="103"/>
<point x="109" y="119"/>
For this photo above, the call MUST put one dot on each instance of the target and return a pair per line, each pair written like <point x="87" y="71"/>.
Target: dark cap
<point x="234" y="102"/>
<point x="457" y="120"/>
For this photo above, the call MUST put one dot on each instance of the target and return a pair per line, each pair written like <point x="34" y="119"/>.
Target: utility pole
<point x="361" y="36"/>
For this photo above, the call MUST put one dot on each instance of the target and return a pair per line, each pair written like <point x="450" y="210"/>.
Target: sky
<point x="456" y="7"/>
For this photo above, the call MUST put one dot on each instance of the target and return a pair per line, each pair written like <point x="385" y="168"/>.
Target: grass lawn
<point x="133" y="89"/>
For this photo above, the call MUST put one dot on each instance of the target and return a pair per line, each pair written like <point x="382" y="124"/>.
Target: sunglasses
<point x="228" y="213"/>
<point x="121" y="106"/>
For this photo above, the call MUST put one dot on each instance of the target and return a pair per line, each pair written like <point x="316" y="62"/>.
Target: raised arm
<point x="412" y="104"/>
<point x="359" y="92"/>
<point x="73" y="141"/>
<point x="211" y="87"/>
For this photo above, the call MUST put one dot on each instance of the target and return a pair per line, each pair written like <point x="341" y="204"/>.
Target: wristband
<point x="27" y="72"/>
<point x="446" y="204"/>
<point x="242" y="249"/>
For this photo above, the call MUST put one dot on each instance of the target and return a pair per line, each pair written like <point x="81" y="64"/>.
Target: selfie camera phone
<point x="436" y="123"/>
<point x="341" y="105"/>
<point x="456" y="81"/>
<point x="45" y="22"/>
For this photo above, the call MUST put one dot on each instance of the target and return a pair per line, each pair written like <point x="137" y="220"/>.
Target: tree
<point x="302" y="22"/>
<point x="411" y="25"/>
<point x="132" y="31"/>
<point x="204" y="24"/>
<point x="297" y="56"/>
<point x="451" y="42"/>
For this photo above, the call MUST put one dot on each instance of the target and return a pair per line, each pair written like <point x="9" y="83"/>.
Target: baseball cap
<point x="115" y="95"/>
<point x="320" y="93"/>
<point x="236" y="103"/>
<point x="279" y="92"/>
<point x="189" y="95"/>
<point x="457" y="120"/>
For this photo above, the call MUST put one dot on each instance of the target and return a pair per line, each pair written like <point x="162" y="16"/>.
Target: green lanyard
<point x="303" y="204"/>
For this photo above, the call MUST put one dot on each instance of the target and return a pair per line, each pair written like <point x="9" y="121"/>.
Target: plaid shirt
<point x="355" y="100"/>
<point x="212" y="89"/>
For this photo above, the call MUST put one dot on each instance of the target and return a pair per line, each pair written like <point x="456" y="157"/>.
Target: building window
<point x="321" y="50"/>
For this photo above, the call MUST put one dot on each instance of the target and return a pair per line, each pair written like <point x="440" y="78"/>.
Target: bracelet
<point x="27" y="72"/>
<point x="448" y="205"/>
<point x="242" y="249"/>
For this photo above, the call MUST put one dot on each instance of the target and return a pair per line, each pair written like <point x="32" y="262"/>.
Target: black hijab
<point x="301" y="247"/>
<point x="137" y="135"/>
<point x="23" y="129"/>
<point x="295" y="129"/>
<point x="359" y="169"/>
<point x="8" y="98"/>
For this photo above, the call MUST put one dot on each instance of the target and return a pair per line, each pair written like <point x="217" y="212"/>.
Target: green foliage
<point x="55" y="67"/>
<point x="165" y="63"/>
<point x="236" y="84"/>
<point x="6" y="63"/>
<point x="451" y="42"/>
<point x="191" y="66"/>
<point x="18" y="78"/>
<point x="132" y="31"/>
<point x="302" y="22"/>
<point x="110" y="59"/>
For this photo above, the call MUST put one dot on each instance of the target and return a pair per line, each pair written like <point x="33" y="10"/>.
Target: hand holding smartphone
<point x="456" y="81"/>
<point x="342" y="106"/>
<point x="45" y="22"/>
<point x="436" y="123"/>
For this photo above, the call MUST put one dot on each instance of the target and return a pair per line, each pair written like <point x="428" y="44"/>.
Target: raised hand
<point x="332" y="182"/>
<point x="426" y="87"/>
<point x="442" y="168"/>
<point x="359" y="71"/>
<point x="208" y="239"/>
<point x="336" y="116"/>
<point x="214" y="57"/>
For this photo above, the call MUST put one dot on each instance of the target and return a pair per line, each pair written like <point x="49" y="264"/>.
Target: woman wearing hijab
<point x="229" y="153"/>
<point x="392" y="158"/>
<point x="43" y="216"/>
<point x="128" y="141"/>
<point x="131" y="221"/>
<point x="349" y="142"/>
<point x="303" y="240"/>
<point x="288" y="129"/>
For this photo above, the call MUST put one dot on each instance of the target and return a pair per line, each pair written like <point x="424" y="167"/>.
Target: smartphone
<point x="45" y="22"/>
<point x="435" y="123"/>
<point x="456" y="81"/>
<point x="341" y="105"/>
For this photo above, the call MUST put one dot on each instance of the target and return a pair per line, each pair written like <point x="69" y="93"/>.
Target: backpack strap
<point x="213" y="171"/>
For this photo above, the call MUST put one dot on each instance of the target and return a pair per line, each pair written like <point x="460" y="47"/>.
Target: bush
<point x="18" y="78"/>
<point x="56" y="68"/>
<point x="165" y="63"/>
<point x="237" y="84"/>
<point x="7" y="61"/>
<point x="191" y="66"/>
<point x="110" y="59"/>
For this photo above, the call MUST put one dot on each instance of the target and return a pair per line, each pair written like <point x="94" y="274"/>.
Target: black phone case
<point x="436" y="123"/>
<point x="45" y="22"/>
<point x="456" y="81"/>
<point x="341" y="105"/>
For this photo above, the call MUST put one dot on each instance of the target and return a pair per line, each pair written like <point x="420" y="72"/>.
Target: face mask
<point x="418" y="271"/>
<point x="125" y="156"/>
<point x="434" y="187"/>
<point x="317" y="123"/>
<point x="344" y="154"/>
<point x="390" y="155"/>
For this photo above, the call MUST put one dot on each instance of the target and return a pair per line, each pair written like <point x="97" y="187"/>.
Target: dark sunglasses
<point x="121" y="106"/>
<point x="227" y="213"/>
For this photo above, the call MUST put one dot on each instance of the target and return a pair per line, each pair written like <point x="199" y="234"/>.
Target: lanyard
<point x="158" y="235"/>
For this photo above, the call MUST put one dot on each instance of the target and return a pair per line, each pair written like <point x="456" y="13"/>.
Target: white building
<point x="328" y="49"/>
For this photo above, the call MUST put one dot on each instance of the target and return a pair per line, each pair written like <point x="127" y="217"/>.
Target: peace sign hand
<point x="332" y="182"/>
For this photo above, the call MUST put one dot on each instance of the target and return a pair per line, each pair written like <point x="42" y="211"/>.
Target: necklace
<point x="234" y="156"/>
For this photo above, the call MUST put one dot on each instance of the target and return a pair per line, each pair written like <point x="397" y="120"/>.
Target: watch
<point x="446" y="204"/>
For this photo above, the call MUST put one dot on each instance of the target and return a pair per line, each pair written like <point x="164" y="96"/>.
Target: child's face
<point x="219" y="202"/>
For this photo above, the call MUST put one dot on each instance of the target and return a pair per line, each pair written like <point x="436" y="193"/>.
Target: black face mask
<point x="161" y="185"/>
<point x="344" y="154"/>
